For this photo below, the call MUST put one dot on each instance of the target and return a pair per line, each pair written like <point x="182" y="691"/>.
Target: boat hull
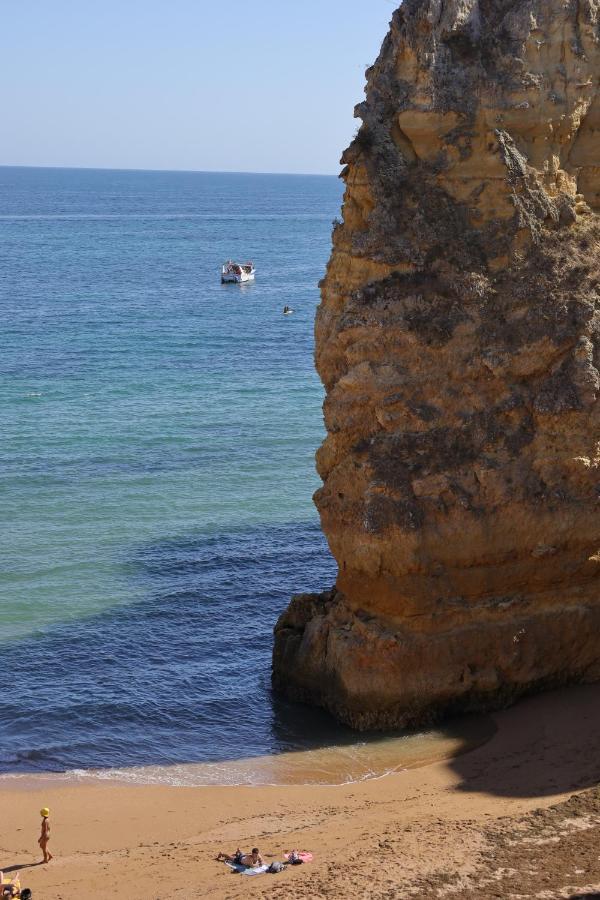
<point x="230" y="278"/>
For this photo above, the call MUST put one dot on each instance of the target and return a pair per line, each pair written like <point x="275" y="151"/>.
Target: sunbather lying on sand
<point x="243" y="859"/>
<point x="10" y="888"/>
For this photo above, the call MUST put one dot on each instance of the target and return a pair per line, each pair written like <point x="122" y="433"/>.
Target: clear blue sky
<point x="259" y="85"/>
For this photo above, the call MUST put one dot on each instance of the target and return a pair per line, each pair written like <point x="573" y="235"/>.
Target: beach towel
<point x="245" y="870"/>
<point x="303" y="855"/>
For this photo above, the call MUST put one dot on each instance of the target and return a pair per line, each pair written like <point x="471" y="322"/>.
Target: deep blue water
<point x="156" y="462"/>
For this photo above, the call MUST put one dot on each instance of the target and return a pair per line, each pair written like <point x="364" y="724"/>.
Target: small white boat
<point x="237" y="273"/>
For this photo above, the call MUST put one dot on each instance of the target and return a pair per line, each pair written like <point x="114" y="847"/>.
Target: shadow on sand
<point x="545" y="745"/>
<point x="16" y="867"/>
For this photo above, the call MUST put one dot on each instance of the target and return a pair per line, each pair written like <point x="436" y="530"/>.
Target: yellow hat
<point x="44" y="812"/>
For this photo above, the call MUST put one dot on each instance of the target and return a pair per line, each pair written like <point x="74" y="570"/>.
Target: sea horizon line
<point x="171" y="171"/>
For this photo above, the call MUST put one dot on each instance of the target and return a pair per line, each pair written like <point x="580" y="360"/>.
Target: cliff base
<point x="376" y="675"/>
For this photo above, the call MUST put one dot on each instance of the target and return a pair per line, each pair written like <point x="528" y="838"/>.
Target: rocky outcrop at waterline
<point x="458" y="339"/>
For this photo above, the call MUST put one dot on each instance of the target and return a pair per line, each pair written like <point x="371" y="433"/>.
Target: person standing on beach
<point x="45" y="835"/>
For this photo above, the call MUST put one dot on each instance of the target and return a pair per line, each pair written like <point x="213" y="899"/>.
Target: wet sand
<point x="494" y="822"/>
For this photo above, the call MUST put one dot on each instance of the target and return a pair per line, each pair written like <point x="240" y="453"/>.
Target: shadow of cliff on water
<point x="545" y="745"/>
<point x="181" y="675"/>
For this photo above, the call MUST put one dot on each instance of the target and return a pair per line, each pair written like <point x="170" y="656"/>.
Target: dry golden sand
<point x="500" y="821"/>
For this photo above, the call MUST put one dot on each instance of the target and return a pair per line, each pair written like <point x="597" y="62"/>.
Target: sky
<point x="260" y="86"/>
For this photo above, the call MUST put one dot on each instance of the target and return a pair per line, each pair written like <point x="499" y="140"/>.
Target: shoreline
<point x="422" y="831"/>
<point x="334" y="765"/>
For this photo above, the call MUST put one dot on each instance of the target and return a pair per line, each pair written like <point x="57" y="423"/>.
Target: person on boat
<point x="44" y="837"/>
<point x="251" y="860"/>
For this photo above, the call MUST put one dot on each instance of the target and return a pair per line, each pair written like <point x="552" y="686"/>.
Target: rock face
<point x="458" y="339"/>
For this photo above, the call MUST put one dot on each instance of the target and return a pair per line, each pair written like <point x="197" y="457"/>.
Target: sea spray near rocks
<point x="458" y="342"/>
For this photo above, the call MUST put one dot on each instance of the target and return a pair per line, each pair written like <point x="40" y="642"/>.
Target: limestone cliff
<point x="458" y="339"/>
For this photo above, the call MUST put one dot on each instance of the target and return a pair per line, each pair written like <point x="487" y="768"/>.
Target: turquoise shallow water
<point x="157" y="456"/>
<point x="142" y="399"/>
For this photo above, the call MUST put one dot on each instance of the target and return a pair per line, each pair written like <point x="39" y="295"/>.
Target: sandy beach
<point x="517" y="817"/>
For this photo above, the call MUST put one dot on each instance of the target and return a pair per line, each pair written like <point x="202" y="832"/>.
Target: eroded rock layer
<point x="458" y="339"/>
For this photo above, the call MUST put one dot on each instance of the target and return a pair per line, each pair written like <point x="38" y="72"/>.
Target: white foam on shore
<point x="334" y="765"/>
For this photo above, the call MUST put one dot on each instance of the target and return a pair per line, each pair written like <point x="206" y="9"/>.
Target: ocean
<point x="156" y="473"/>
